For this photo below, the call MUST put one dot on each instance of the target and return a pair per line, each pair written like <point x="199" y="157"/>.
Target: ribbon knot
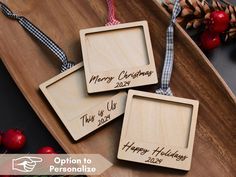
<point x="112" y="21"/>
<point x="7" y="12"/>
<point x="164" y="91"/>
<point x="66" y="65"/>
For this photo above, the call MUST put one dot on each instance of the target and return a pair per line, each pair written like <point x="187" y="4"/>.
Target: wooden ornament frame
<point x="118" y="56"/>
<point x="164" y="136"/>
<point x="67" y="95"/>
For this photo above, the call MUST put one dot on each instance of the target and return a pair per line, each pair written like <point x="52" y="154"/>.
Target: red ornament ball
<point x="219" y="21"/>
<point x="13" y="139"/>
<point x="46" y="150"/>
<point x="209" y="40"/>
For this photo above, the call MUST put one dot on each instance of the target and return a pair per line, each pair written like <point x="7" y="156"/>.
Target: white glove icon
<point x="25" y="164"/>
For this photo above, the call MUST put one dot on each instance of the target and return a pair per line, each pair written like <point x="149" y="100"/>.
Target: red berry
<point x="13" y="140"/>
<point x="46" y="150"/>
<point x="219" y="21"/>
<point x="210" y="40"/>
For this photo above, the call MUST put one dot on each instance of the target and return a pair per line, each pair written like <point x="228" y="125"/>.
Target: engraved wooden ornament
<point x="118" y="56"/>
<point x="158" y="130"/>
<point x="81" y="113"/>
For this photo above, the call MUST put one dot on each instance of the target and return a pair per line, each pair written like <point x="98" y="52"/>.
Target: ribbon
<point x="111" y="14"/>
<point x="169" y="55"/>
<point x="43" y="38"/>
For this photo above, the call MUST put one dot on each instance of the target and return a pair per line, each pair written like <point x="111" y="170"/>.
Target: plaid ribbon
<point x="43" y="38"/>
<point x="169" y="56"/>
<point x="111" y="14"/>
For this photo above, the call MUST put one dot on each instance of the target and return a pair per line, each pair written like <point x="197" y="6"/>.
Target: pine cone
<point x="230" y="34"/>
<point x="195" y="13"/>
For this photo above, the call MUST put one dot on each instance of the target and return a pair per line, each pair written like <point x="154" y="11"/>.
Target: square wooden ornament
<point x="81" y="113"/>
<point x="158" y="130"/>
<point x="118" y="56"/>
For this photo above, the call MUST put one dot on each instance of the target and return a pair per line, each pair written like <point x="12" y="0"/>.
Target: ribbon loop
<point x="164" y="92"/>
<point x="43" y="38"/>
<point x="111" y="14"/>
<point x="169" y="55"/>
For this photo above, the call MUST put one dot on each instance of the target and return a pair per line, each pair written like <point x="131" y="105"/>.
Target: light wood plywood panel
<point x="158" y="130"/>
<point x="113" y="49"/>
<point x="118" y="56"/>
<point x="81" y="113"/>
<point x="158" y="121"/>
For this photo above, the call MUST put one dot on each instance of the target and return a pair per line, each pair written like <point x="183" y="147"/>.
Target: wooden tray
<point x="193" y="77"/>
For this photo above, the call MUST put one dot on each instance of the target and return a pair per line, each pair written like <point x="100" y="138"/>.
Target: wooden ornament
<point x="118" y="56"/>
<point x="158" y="130"/>
<point x="81" y="113"/>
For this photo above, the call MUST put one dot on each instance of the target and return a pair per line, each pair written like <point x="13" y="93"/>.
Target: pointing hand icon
<point x="25" y="164"/>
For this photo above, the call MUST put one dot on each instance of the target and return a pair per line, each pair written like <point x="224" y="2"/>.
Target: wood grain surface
<point x="68" y="96"/>
<point x="158" y="128"/>
<point x="30" y="64"/>
<point x="120" y="56"/>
